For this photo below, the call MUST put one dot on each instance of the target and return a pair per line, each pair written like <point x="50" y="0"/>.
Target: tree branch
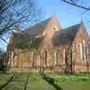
<point x="3" y="40"/>
<point x="71" y="2"/>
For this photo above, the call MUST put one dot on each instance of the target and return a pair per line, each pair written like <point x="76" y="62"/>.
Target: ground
<point x="23" y="81"/>
<point x="34" y="81"/>
<point x="72" y="82"/>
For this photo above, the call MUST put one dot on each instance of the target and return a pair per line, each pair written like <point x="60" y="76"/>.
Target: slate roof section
<point x="61" y="37"/>
<point x="35" y="30"/>
<point x="66" y="36"/>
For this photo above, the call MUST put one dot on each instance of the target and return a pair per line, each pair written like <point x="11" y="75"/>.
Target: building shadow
<point x="26" y="82"/>
<point x="9" y="81"/>
<point x="51" y="82"/>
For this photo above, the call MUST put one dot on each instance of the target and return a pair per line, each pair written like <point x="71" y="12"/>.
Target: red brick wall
<point x="80" y="36"/>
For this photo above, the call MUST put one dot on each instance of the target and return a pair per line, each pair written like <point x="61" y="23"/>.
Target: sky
<point x="66" y="14"/>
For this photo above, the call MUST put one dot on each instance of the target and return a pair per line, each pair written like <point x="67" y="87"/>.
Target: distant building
<point x="46" y="47"/>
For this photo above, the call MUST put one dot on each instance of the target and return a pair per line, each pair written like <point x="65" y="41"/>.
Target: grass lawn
<point x="33" y="81"/>
<point x="23" y="81"/>
<point x="36" y="82"/>
<point x="4" y="78"/>
<point x="72" y="82"/>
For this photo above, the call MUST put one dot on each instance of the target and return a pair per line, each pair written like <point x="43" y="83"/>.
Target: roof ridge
<point x="39" y="23"/>
<point x="78" y="24"/>
<point x="38" y="28"/>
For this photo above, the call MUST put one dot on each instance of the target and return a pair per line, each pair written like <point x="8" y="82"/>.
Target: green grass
<point x="17" y="83"/>
<point x="37" y="83"/>
<point x="76" y="85"/>
<point x="72" y="82"/>
<point x="4" y="78"/>
<point x="24" y="81"/>
<point x="33" y="81"/>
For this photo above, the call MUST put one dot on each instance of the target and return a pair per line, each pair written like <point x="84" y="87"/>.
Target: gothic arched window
<point x="83" y="50"/>
<point x="46" y="57"/>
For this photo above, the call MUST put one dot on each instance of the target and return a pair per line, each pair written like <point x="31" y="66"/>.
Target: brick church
<point x="47" y="47"/>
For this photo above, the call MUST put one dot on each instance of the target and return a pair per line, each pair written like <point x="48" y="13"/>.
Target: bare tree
<point x="14" y="12"/>
<point x="77" y="4"/>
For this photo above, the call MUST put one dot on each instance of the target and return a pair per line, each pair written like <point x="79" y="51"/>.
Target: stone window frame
<point x="55" y="28"/>
<point x="35" y="53"/>
<point x="64" y="55"/>
<point x="55" y="57"/>
<point x="83" y="50"/>
<point x="11" y="59"/>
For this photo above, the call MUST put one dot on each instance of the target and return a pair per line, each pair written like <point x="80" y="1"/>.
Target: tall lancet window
<point x="84" y="50"/>
<point x="12" y="58"/>
<point x="46" y="58"/>
<point x="55" y="58"/>
<point x="12" y="55"/>
<point x="64" y="55"/>
<point x="55" y="28"/>
<point x="81" y="51"/>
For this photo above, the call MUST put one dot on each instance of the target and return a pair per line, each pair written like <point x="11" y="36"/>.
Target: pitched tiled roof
<point x="61" y="37"/>
<point x="66" y="36"/>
